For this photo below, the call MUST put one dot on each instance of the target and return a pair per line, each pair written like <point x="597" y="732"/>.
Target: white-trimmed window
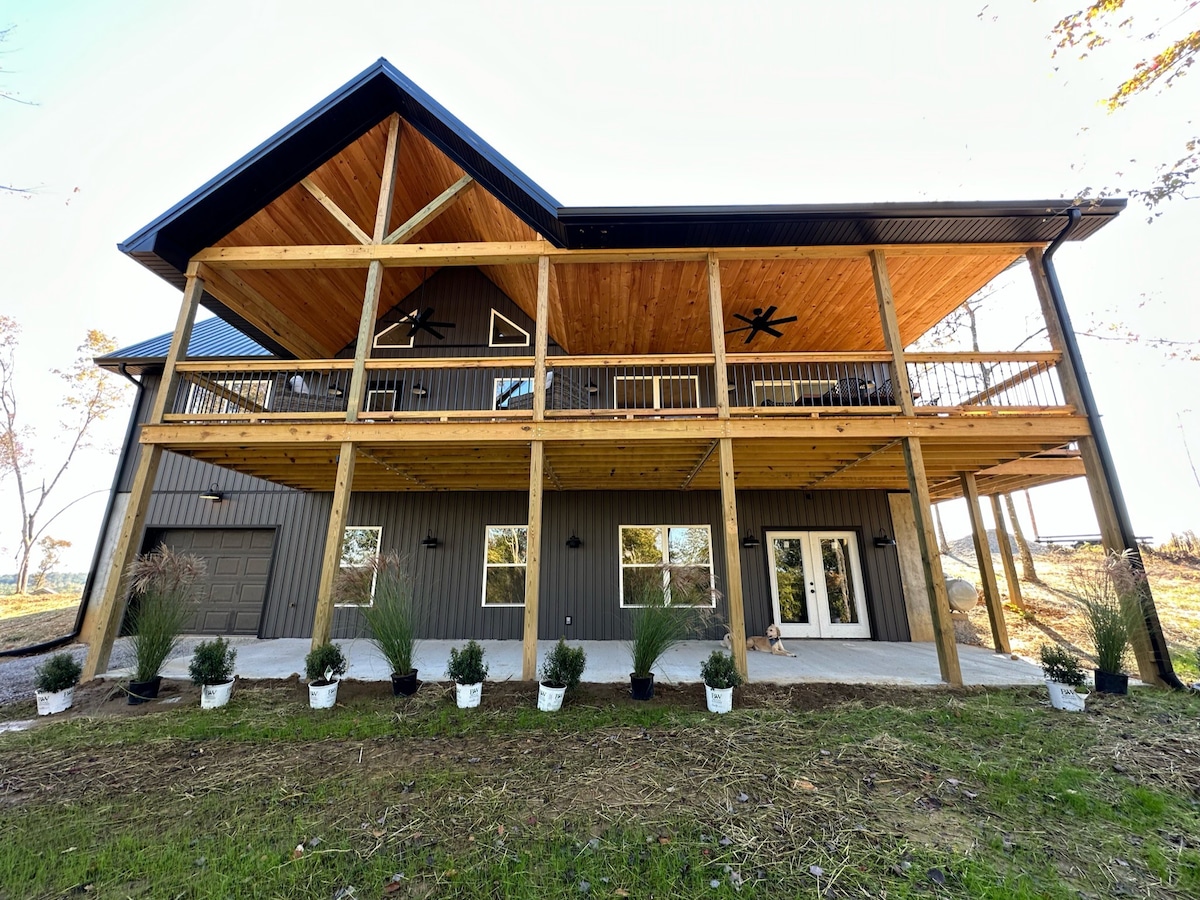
<point x="666" y="553"/>
<point x="360" y="543"/>
<point x="788" y="392"/>
<point x="381" y="401"/>
<point x="656" y="391"/>
<point x="504" y="332"/>
<point x="504" y="559"/>
<point x="398" y="336"/>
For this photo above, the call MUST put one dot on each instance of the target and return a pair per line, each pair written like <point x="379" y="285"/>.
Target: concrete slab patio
<point x="845" y="662"/>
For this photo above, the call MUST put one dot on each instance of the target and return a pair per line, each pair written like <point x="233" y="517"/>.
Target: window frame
<point x="381" y="392"/>
<point x="492" y="330"/>
<point x="412" y="340"/>
<point x="490" y="565"/>
<point x="656" y="389"/>
<point x="378" y="529"/>
<point x="496" y="380"/>
<point x="665" y="533"/>
<point x="828" y="384"/>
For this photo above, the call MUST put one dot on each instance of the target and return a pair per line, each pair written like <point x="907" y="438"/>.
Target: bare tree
<point x="51" y="548"/>
<point x="89" y="397"/>
<point x="1028" y="572"/>
<point x="5" y="94"/>
<point x="943" y="544"/>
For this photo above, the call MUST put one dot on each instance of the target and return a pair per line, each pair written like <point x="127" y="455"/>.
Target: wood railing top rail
<point x="452" y="362"/>
<point x="658" y="359"/>
<point x="808" y="357"/>
<point x="1046" y="356"/>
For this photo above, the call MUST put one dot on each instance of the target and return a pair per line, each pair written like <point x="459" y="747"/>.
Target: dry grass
<point x="27" y="619"/>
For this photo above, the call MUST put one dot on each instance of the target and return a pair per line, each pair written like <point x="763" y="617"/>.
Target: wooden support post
<point x="983" y="557"/>
<point x="733" y="559"/>
<point x="331" y="559"/>
<point x="1094" y="472"/>
<point x="931" y="561"/>
<point x="541" y="328"/>
<point x="886" y="301"/>
<point x="1006" y="556"/>
<point x="716" y="320"/>
<point x="112" y="603"/>
<point x="533" y="561"/>
<point x="193" y="290"/>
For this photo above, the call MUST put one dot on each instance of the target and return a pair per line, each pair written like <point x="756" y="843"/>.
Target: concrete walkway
<point x="846" y="662"/>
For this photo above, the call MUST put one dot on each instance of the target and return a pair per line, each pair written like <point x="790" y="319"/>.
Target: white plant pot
<point x="1063" y="696"/>
<point x="720" y="700"/>
<point x="51" y="702"/>
<point x="215" y="695"/>
<point x="550" y="698"/>
<point x="468" y="695"/>
<point x="322" y="696"/>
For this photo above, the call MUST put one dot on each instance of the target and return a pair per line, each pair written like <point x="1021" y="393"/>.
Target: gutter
<point x="1158" y="642"/>
<point x="89" y="583"/>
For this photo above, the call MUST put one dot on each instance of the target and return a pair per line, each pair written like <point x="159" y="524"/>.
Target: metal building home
<point x="418" y="349"/>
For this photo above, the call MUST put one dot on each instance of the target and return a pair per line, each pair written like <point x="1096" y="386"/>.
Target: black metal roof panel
<point x="829" y="225"/>
<point x="211" y="339"/>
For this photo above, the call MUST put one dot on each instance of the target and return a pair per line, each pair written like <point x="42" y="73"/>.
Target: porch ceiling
<point x="819" y="463"/>
<point x="613" y="308"/>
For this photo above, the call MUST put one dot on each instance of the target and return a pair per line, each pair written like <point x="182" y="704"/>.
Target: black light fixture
<point x="419" y="391"/>
<point x="213" y="494"/>
<point x="335" y="391"/>
<point x="592" y="388"/>
<point x="574" y="542"/>
<point x="750" y="541"/>
<point x="882" y="539"/>
<point x="430" y="542"/>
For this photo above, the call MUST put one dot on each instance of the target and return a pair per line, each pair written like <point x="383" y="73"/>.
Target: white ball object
<point x="962" y="594"/>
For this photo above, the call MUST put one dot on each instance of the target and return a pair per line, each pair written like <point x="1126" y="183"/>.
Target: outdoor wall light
<point x="430" y="542"/>
<point x="750" y="541"/>
<point x="335" y="391"/>
<point x="213" y="494"/>
<point x="574" y="542"/>
<point x="420" y="391"/>
<point x="882" y="539"/>
<point x="591" y="388"/>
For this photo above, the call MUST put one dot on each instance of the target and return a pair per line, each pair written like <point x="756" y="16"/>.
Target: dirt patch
<point x="25" y="620"/>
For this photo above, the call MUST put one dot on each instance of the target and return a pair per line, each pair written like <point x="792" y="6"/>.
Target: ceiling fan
<point x="763" y="321"/>
<point x="422" y="322"/>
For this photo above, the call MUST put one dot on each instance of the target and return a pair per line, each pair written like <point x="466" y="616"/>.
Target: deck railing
<point x="618" y="387"/>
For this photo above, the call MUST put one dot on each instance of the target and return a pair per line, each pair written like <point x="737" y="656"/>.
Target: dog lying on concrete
<point x="772" y="643"/>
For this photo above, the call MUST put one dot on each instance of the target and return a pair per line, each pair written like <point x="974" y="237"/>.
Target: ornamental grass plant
<point x="667" y="611"/>
<point x="164" y="584"/>
<point x="383" y="590"/>
<point x="1107" y="590"/>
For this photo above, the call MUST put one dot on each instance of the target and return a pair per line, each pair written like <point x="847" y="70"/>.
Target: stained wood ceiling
<point x="611" y="308"/>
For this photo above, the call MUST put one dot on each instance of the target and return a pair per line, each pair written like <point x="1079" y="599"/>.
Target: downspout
<point x="1158" y="643"/>
<point x="85" y="597"/>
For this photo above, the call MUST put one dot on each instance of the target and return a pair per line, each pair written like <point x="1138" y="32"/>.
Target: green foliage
<point x="467" y="666"/>
<point x="718" y="671"/>
<point x="563" y="666"/>
<point x="164" y="588"/>
<point x="1059" y="664"/>
<point x="1108" y="595"/>
<point x="324" y="664"/>
<point x="57" y="673"/>
<point x="392" y="616"/>
<point x="212" y="662"/>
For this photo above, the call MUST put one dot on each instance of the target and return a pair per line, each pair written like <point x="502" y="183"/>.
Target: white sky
<point x="139" y="103"/>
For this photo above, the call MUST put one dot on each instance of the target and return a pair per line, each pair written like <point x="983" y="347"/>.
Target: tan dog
<point x="772" y="643"/>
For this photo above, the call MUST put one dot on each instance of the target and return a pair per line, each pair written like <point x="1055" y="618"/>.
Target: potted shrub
<point x="720" y="678"/>
<point x="323" y="666"/>
<point x="1064" y="676"/>
<point x="562" y="670"/>
<point x="383" y="590"/>
<point x="659" y="622"/>
<point x="54" y="683"/>
<point x="1107" y="592"/>
<point x="467" y="670"/>
<point x="212" y="669"/>
<point x="163" y="583"/>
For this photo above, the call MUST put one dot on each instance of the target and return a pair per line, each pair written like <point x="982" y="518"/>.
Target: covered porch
<point x="824" y="661"/>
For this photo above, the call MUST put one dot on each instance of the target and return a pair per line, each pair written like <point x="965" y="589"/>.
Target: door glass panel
<point x="678" y="392"/>
<point x="790" y="581"/>
<point x="634" y="392"/>
<point x="839" y="581"/>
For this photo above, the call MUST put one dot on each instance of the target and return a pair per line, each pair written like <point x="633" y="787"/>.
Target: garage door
<point x="234" y="589"/>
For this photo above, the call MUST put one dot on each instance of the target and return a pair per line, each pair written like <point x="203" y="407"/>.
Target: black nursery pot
<point x="404" y="685"/>
<point x="641" y="688"/>
<point x="1110" y="683"/>
<point x="142" y="691"/>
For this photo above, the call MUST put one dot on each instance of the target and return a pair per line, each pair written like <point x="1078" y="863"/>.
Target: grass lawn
<point x="815" y="792"/>
<point x="27" y="619"/>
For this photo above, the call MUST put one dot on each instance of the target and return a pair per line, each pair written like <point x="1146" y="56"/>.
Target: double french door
<point x="816" y="584"/>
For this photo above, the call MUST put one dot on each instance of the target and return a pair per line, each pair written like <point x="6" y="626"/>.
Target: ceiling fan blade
<point x="783" y="321"/>
<point x="736" y="330"/>
<point x="743" y="318"/>
<point x="439" y="324"/>
<point x="750" y="336"/>
<point x="768" y="312"/>
<point x="771" y="331"/>
<point x="436" y="334"/>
